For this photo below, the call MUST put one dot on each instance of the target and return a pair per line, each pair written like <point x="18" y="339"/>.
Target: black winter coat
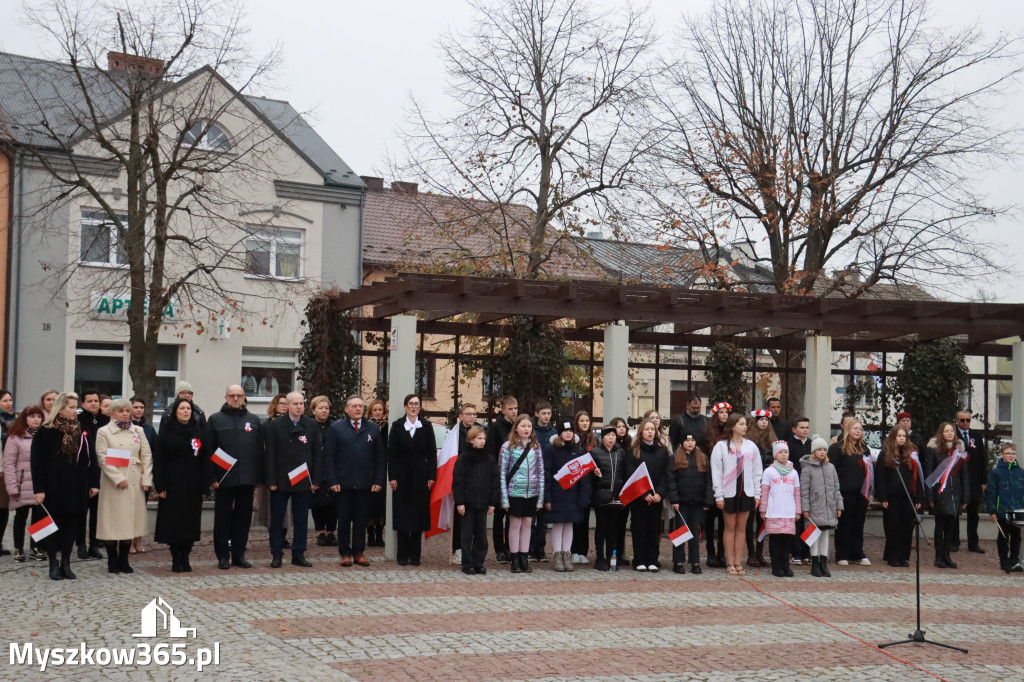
<point x="183" y="476"/>
<point x="289" y="446"/>
<point x="849" y="469"/>
<point x="567" y="506"/>
<point x="977" y="463"/>
<point x="354" y="461"/>
<point x="239" y="433"/>
<point x="797" y="450"/>
<point x="497" y="435"/>
<point x="958" y="486"/>
<point x="657" y="458"/>
<point x="91" y="424"/>
<point x="475" y="481"/>
<point x="887" y="482"/>
<point x="65" y="483"/>
<point x="690" y="486"/>
<point x="686" y="425"/>
<point x="612" y="465"/>
<point x="412" y="461"/>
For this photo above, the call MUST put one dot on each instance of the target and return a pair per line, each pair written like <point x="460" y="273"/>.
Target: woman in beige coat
<point x="126" y="464"/>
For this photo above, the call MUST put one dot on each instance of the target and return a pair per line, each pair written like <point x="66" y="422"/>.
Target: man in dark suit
<point x="977" y="472"/>
<point x="354" y="466"/>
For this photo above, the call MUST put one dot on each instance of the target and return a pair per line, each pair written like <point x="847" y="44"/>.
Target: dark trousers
<point x="972" y="525"/>
<point x="232" y="517"/>
<point x="408" y="546"/>
<point x="850" y="529"/>
<point x="499" y="531"/>
<point x="754" y="522"/>
<point x="606" y="531"/>
<point x="325" y="519"/>
<point x="945" y="529"/>
<point x="456" y="530"/>
<point x="4" y="515"/>
<point x="694" y="515"/>
<point x="780" y="547"/>
<point x="91" y="512"/>
<point x="1008" y="543"/>
<point x="20" y="521"/>
<point x="473" y="531"/>
<point x="581" y="535"/>
<point x="353" y="505"/>
<point x="63" y="541"/>
<point x="300" y="517"/>
<point x="620" y="535"/>
<point x="539" y="535"/>
<point x="801" y="550"/>
<point x="898" y="523"/>
<point x="714" y="532"/>
<point x="646" y="530"/>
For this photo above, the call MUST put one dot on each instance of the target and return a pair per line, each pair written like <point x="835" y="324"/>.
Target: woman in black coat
<point x="65" y="474"/>
<point x="948" y="489"/>
<point x="180" y="479"/>
<point x="377" y="514"/>
<point x="646" y="510"/>
<point x="412" y="467"/>
<point x="607" y="481"/>
<point x="852" y="460"/>
<point x="324" y="505"/>
<point x="895" y="463"/>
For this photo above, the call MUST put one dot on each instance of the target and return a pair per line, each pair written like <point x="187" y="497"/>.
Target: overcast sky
<point x="351" y="66"/>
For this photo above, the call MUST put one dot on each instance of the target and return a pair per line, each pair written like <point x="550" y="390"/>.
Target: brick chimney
<point x="405" y="187"/>
<point x="132" y="62"/>
<point x="372" y="182"/>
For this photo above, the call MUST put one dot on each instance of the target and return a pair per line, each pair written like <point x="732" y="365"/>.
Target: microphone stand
<point x="918" y="635"/>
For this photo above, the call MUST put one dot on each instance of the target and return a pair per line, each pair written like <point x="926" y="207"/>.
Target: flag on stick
<point x="298" y="473"/>
<point x="638" y="484"/>
<point x="119" y="458"/>
<point x="43" y="528"/>
<point x="442" y="502"/>
<point x="574" y="470"/>
<point x="763" y="533"/>
<point x="811" y="533"/>
<point x="680" y="534"/>
<point x="223" y="459"/>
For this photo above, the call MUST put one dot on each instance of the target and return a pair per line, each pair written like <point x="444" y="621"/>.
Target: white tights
<point x="820" y="546"/>
<point x="519" y="533"/>
<point x="561" y="537"/>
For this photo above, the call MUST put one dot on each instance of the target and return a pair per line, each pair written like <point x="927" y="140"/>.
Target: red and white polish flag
<point x="680" y="535"/>
<point x="442" y="502"/>
<point x="811" y="533"/>
<point x="118" y="458"/>
<point x="763" y="533"/>
<point x="223" y="460"/>
<point x="43" y="528"/>
<point x="298" y="473"/>
<point x="638" y="484"/>
<point x="574" y="470"/>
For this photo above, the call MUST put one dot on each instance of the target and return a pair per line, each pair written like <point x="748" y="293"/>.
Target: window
<point x="214" y="139"/>
<point x="1003" y="408"/>
<point x="267" y="372"/>
<point x="103" y="243"/>
<point x="426" y="374"/>
<point x="274" y="252"/>
<point x="104" y="366"/>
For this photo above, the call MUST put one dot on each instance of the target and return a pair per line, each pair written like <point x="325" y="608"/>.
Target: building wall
<point x="5" y="236"/>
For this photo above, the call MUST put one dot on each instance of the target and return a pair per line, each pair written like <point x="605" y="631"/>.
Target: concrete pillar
<point x="616" y="372"/>
<point x="402" y="363"/>
<point x="818" y="387"/>
<point x="1017" y="397"/>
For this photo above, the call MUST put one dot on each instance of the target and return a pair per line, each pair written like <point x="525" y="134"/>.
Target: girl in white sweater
<point x="780" y="507"/>
<point x="736" y="477"/>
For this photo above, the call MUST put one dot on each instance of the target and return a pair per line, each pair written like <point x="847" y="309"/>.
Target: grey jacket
<point x="819" y="491"/>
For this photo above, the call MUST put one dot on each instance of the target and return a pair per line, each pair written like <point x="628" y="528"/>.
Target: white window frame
<point x="203" y="143"/>
<point x="270" y="356"/>
<point x="99" y="218"/>
<point x="123" y="354"/>
<point x="275" y="236"/>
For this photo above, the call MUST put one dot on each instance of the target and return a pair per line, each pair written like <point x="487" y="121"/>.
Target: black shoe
<point x="321" y="540"/>
<point x="940" y="562"/>
<point x="815" y="567"/>
<point x="223" y="563"/>
<point x="19" y="555"/>
<point x="714" y="562"/>
<point x="788" y="572"/>
<point x="83" y="553"/>
<point x="241" y="562"/>
<point x="695" y="569"/>
<point x="976" y="549"/>
<point x="955" y="547"/>
<point x="904" y="564"/>
<point x="276" y="561"/>
<point x="949" y="562"/>
<point x="513" y="560"/>
<point x="55" y="572"/>
<point x="502" y="557"/>
<point x="778" y="573"/>
<point x="602" y="565"/>
<point x="679" y="568"/>
<point x="524" y="560"/>
<point x="823" y="566"/>
<point x="65" y="568"/>
<point x="124" y="567"/>
<point x="468" y="570"/>
<point x="301" y="560"/>
<point x="332" y="540"/>
<point x="285" y="544"/>
<point x="4" y="552"/>
<point x="37" y="554"/>
<point x="480" y="570"/>
<point x="186" y="567"/>
<point x="113" y="566"/>
<point x="538" y="556"/>
<point x="1016" y="568"/>
<point x="94" y="553"/>
<point x="175" y="561"/>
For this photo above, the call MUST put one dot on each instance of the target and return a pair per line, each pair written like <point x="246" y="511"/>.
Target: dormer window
<point x="208" y="137"/>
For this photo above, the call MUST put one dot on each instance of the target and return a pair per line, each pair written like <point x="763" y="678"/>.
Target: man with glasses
<point x="977" y="471"/>
<point x="1005" y="493"/>
<point x="467" y="420"/>
<point x="184" y="391"/>
<point x="236" y="432"/>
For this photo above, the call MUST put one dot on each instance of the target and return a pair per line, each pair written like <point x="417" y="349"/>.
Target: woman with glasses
<point x="412" y="466"/>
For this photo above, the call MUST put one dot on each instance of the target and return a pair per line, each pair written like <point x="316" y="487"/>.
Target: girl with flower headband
<point x="714" y="521"/>
<point x="780" y="506"/>
<point x="736" y="477"/>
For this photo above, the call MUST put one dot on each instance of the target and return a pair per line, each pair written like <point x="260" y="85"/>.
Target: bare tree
<point x="544" y="134"/>
<point x="130" y="123"/>
<point x="832" y="133"/>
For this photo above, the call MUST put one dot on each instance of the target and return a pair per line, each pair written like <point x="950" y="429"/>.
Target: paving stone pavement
<point x="433" y="622"/>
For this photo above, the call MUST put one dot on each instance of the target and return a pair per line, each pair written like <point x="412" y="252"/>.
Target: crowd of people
<point x="81" y="469"/>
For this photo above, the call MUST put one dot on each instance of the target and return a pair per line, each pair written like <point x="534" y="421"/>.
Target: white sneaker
<point x="579" y="559"/>
<point x="865" y="562"/>
<point x="843" y="562"/>
<point x="796" y="562"/>
<point x="641" y="567"/>
<point x="652" y="568"/>
<point x="456" y="557"/>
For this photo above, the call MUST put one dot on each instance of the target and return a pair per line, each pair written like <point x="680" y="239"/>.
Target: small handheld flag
<point x="298" y="473"/>
<point x="680" y="534"/>
<point x="223" y="460"/>
<point x="763" y="533"/>
<point x="43" y="528"/>
<point x="811" y="533"/>
<point x="574" y="470"/>
<point x="638" y="484"/>
<point x="119" y="458"/>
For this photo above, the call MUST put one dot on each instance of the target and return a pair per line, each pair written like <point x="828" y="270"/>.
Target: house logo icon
<point x="158" y="614"/>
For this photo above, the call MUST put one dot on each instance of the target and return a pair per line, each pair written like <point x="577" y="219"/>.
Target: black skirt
<point x="522" y="506"/>
<point x="741" y="502"/>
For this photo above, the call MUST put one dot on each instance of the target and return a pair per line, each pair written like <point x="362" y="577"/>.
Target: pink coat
<point x="18" y="471"/>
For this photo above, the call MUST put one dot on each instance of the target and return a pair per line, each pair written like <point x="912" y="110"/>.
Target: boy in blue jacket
<point x="1005" y="492"/>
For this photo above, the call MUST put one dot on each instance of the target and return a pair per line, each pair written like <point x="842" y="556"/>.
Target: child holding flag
<point x="821" y="501"/>
<point x="566" y="493"/>
<point x="691" y="493"/>
<point x="609" y="460"/>
<point x="646" y="485"/>
<point x="475" y="493"/>
<point x="522" y="488"/>
<point x="780" y="506"/>
<point x="948" y="486"/>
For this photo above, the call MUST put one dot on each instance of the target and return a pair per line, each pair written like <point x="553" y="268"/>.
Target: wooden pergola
<point x="618" y="315"/>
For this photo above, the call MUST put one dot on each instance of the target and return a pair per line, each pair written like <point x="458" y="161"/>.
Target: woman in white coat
<point x="126" y="465"/>
<point x="736" y="477"/>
